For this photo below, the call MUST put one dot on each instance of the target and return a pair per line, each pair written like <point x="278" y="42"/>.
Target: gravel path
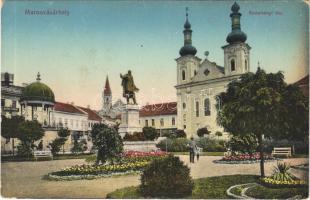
<point x="24" y="179"/>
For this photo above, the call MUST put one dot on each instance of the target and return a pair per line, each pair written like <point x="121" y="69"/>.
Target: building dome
<point x="236" y="36"/>
<point x="38" y="91"/>
<point x="188" y="50"/>
<point x="187" y="25"/>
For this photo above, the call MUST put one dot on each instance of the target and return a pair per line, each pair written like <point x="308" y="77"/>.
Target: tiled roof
<point x="159" y="109"/>
<point x="92" y="115"/>
<point x="303" y="81"/>
<point x="65" y="107"/>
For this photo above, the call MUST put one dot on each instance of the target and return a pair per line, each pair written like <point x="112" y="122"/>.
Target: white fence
<point x="145" y="146"/>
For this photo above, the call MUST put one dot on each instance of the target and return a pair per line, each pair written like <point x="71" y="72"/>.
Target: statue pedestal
<point x="130" y="120"/>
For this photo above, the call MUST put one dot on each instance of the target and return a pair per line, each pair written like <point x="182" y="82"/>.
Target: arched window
<point x="183" y="75"/>
<point x="197" y="108"/>
<point x="184" y="105"/>
<point x="195" y="72"/>
<point x="232" y="65"/>
<point x="246" y="65"/>
<point x="207" y="107"/>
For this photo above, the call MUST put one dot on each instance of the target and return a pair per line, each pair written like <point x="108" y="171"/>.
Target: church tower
<point x="237" y="52"/>
<point x="106" y="98"/>
<point x="187" y="63"/>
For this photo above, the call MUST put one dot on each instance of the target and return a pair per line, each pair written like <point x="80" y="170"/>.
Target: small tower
<point x="106" y="98"/>
<point x="188" y="63"/>
<point x="237" y="52"/>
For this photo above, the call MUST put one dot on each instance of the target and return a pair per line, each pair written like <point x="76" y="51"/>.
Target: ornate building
<point x="200" y="81"/>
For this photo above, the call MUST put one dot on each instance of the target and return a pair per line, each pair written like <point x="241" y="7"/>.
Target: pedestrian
<point x="192" y="150"/>
<point x="197" y="154"/>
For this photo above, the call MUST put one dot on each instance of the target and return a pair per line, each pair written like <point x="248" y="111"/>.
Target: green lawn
<point x="215" y="188"/>
<point x="262" y="192"/>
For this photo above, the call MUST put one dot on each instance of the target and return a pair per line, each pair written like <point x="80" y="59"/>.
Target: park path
<point x="24" y="179"/>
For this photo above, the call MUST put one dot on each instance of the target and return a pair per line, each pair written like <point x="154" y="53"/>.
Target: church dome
<point x="38" y="91"/>
<point x="188" y="50"/>
<point x="236" y="36"/>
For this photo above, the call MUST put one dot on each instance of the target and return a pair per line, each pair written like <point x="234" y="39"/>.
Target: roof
<point x="169" y="108"/>
<point x="303" y="81"/>
<point x="107" y="89"/>
<point x="92" y="115"/>
<point x="38" y="91"/>
<point x="65" y="107"/>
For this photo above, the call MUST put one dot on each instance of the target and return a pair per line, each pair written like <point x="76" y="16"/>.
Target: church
<point x="199" y="82"/>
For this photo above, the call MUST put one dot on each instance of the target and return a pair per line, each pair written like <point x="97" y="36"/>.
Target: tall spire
<point x="107" y="89"/>
<point x="236" y="35"/>
<point x="187" y="49"/>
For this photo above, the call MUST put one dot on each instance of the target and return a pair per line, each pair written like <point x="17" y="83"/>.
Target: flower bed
<point x="270" y="182"/>
<point x="130" y="162"/>
<point x="243" y="159"/>
<point x="94" y="171"/>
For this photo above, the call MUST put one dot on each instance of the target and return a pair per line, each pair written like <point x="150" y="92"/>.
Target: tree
<point x="9" y="128"/>
<point x="63" y="133"/>
<point x="263" y="104"/>
<point x="150" y="133"/>
<point x="56" y="144"/>
<point x="29" y="132"/>
<point x="202" y="131"/>
<point x="107" y="141"/>
<point x="218" y="134"/>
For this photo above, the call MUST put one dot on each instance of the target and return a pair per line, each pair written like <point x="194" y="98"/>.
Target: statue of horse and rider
<point x="129" y="87"/>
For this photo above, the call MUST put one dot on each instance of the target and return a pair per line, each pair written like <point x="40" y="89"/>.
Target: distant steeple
<point x="236" y="35"/>
<point x="107" y="89"/>
<point x="187" y="49"/>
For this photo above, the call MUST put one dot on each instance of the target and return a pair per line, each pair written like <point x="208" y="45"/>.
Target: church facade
<point x="200" y="81"/>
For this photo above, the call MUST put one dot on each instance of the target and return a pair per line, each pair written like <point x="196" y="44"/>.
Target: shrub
<point x="136" y="136"/>
<point x="24" y="149"/>
<point x="203" y="131"/>
<point x="211" y="145"/>
<point x="78" y="146"/>
<point x="167" y="177"/>
<point x="174" y="145"/>
<point x="180" y="134"/>
<point x="150" y="133"/>
<point x="243" y="144"/>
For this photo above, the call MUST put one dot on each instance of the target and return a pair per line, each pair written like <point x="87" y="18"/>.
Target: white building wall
<point x="167" y="119"/>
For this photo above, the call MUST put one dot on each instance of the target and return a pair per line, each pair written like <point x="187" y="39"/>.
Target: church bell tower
<point x="237" y="52"/>
<point x="106" y="98"/>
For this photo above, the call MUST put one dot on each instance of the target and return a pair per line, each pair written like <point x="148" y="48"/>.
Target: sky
<point x="75" y="52"/>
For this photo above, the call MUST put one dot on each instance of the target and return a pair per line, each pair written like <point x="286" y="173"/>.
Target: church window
<point x="184" y="105"/>
<point x="197" y="108"/>
<point x="153" y="122"/>
<point x="195" y="72"/>
<point x="206" y="72"/>
<point x="183" y="75"/>
<point x="207" y="107"/>
<point x="13" y="104"/>
<point x="246" y="65"/>
<point x="161" y="122"/>
<point x="232" y="65"/>
<point x="146" y="123"/>
<point x="173" y="121"/>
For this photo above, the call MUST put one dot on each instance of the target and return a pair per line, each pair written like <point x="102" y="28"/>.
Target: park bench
<point x="282" y="151"/>
<point x="42" y="154"/>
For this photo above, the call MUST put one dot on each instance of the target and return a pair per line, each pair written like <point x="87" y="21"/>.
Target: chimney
<point x="88" y="106"/>
<point x="72" y="103"/>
